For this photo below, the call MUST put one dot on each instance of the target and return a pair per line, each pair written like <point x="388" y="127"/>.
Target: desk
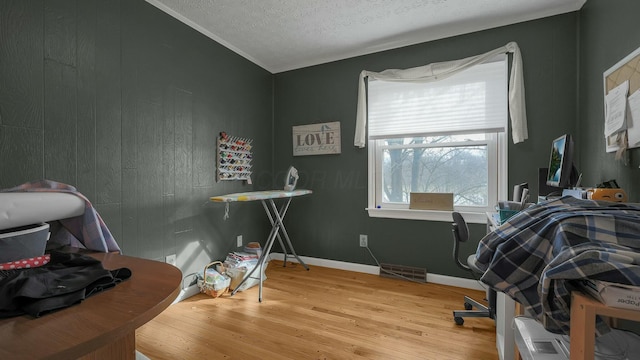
<point x="505" y="311"/>
<point x="102" y="326"/>
<point x="535" y="256"/>
<point x="276" y="217"/>
<point x="583" y="323"/>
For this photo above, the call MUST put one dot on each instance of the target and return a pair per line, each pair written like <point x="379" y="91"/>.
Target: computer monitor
<point x="562" y="173"/>
<point x="545" y="190"/>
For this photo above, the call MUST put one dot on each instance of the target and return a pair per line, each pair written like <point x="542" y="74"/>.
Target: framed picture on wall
<point x="316" y="139"/>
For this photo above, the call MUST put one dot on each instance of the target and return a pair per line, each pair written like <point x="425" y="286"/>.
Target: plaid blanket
<point x="535" y="256"/>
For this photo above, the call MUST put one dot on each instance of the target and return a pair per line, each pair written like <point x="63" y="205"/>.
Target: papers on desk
<point x="613" y="294"/>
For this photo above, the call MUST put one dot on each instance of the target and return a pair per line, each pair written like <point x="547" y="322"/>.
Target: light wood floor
<point x="321" y="314"/>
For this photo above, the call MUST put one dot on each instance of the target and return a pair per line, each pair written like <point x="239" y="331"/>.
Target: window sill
<point x="432" y="215"/>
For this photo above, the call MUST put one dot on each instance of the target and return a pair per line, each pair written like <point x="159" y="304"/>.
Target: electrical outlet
<point x="239" y="240"/>
<point x="171" y="259"/>
<point x="364" y="242"/>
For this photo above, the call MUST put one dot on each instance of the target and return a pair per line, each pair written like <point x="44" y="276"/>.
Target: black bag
<point x="66" y="280"/>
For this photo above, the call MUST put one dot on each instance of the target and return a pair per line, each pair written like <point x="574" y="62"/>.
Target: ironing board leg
<point x="282" y="212"/>
<point x="279" y="218"/>
<point x="277" y="224"/>
<point x="261" y="260"/>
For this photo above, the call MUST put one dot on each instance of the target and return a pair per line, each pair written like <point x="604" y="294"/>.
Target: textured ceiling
<point x="281" y="35"/>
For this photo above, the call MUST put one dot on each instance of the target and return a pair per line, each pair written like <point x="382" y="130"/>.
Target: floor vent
<point x="403" y="272"/>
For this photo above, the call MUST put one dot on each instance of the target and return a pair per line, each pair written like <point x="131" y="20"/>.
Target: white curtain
<point x="441" y="70"/>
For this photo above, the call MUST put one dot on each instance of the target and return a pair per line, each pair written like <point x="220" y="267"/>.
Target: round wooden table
<point x="102" y="326"/>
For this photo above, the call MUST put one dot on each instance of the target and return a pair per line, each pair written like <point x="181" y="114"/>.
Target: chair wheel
<point x="467" y="306"/>
<point x="458" y="320"/>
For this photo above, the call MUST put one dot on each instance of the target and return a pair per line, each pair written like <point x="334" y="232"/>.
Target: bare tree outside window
<point x="435" y="164"/>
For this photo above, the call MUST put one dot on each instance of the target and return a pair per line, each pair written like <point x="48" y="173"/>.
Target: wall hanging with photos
<point x="233" y="158"/>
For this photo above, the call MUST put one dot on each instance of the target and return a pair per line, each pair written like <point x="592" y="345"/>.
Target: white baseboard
<point x="455" y="281"/>
<point x="343" y="265"/>
<point x="187" y="293"/>
<point x="370" y="269"/>
<point x="333" y="264"/>
<point x="141" y="356"/>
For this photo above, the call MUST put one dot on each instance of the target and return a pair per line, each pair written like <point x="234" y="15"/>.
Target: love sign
<point x="316" y="139"/>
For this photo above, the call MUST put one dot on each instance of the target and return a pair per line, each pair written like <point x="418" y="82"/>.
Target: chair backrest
<point x="460" y="234"/>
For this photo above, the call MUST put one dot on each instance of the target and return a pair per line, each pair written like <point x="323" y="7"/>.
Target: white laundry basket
<point x="23" y="242"/>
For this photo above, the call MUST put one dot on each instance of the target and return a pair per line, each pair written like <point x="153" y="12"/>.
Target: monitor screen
<point x="561" y="162"/>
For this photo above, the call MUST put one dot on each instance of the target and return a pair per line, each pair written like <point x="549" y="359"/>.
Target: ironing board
<point x="276" y="217"/>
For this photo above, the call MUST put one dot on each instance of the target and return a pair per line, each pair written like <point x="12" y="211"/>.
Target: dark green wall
<point x="327" y="224"/>
<point x="564" y="58"/>
<point x="124" y="102"/>
<point x="608" y="34"/>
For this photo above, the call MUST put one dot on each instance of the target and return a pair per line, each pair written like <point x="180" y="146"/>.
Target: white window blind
<point x="472" y="100"/>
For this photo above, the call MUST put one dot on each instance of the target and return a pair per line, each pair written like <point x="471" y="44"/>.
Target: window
<point x="443" y="136"/>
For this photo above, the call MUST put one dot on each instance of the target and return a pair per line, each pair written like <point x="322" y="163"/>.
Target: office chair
<point x="461" y="234"/>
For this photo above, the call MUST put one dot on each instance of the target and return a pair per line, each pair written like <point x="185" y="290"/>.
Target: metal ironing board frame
<point x="276" y="218"/>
